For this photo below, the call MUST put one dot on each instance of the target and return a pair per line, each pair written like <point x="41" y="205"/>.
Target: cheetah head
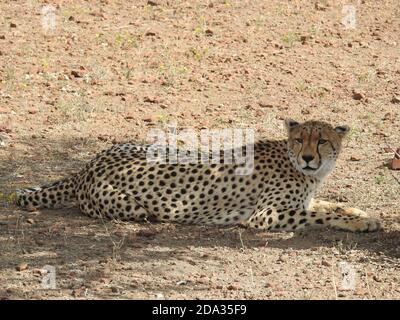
<point x="314" y="146"/>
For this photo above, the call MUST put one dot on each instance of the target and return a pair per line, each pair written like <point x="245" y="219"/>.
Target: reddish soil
<point x="111" y="70"/>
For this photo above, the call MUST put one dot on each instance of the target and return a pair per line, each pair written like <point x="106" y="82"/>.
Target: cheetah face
<point x="314" y="146"/>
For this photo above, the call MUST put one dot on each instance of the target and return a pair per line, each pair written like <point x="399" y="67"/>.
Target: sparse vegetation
<point x="112" y="70"/>
<point x="290" y="38"/>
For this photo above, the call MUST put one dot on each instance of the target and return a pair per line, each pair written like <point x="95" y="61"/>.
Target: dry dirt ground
<point x="108" y="71"/>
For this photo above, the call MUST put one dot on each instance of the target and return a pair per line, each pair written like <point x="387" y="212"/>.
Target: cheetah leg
<point x="113" y="205"/>
<point x="328" y="207"/>
<point x="228" y="217"/>
<point x="297" y="219"/>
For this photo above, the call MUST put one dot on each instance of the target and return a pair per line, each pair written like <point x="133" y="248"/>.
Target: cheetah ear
<point x="290" y="124"/>
<point x="342" y="130"/>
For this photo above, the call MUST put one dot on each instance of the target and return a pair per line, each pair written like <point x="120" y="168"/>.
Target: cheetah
<point x="120" y="183"/>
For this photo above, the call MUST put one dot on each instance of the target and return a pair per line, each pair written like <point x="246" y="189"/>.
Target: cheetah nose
<point x="308" y="157"/>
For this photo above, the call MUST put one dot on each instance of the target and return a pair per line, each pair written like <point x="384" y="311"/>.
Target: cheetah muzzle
<point x="119" y="183"/>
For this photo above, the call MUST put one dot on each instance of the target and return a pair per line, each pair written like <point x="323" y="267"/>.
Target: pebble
<point x="232" y="287"/>
<point x="5" y="110"/>
<point x="78" y="292"/>
<point x="22" y="266"/>
<point x="282" y="259"/>
<point x="265" y="104"/>
<point x="395" y="99"/>
<point x="152" y="99"/>
<point x="325" y="263"/>
<point x="376" y="278"/>
<point x="114" y="290"/>
<point x="76" y="74"/>
<point x="160" y="296"/>
<point x="357" y="95"/>
<point x="209" y="32"/>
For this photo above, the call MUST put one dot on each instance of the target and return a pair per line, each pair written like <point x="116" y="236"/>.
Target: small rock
<point x="160" y="296"/>
<point x="389" y="116"/>
<point x="79" y="292"/>
<point x="395" y="99"/>
<point x="103" y="137"/>
<point x="114" y="289"/>
<point x="149" y="119"/>
<point x="357" y="95"/>
<point x="326" y="263"/>
<point x="151" y="99"/>
<point x="5" y="129"/>
<point x="2" y="37"/>
<point x="40" y="272"/>
<point x="130" y="116"/>
<point x="376" y="278"/>
<point x="150" y="33"/>
<point x="76" y="74"/>
<point x="232" y="287"/>
<point x="5" y="110"/>
<point x="209" y="32"/>
<point x="30" y="221"/>
<point x="22" y="266"/>
<point x="395" y="164"/>
<point x="361" y="292"/>
<point x="32" y="110"/>
<point x="380" y="72"/>
<point x="265" y="104"/>
<point x="355" y="158"/>
<point x="320" y="7"/>
<point x="71" y="18"/>
<point x="13" y="25"/>
<point x="282" y="259"/>
<point x="304" y="39"/>
<point x="40" y="242"/>
<point x="152" y="3"/>
<point x="181" y="283"/>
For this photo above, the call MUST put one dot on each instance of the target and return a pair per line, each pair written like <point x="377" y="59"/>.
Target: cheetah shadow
<point x="85" y="250"/>
<point x="381" y="243"/>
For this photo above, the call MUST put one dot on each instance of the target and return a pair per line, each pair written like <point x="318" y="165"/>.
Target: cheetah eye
<point x="299" y="140"/>
<point x="322" y="141"/>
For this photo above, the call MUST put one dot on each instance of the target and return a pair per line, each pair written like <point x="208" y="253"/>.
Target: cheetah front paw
<point x="352" y="212"/>
<point x="360" y="224"/>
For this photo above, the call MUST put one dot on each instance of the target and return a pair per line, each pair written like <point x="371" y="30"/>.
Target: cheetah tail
<point x="55" y="195"/>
